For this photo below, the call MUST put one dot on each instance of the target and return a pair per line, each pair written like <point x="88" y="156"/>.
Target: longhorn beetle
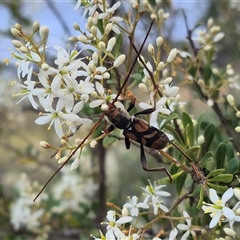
<point x="138" y="130"/>
<point x="133" y="128"/>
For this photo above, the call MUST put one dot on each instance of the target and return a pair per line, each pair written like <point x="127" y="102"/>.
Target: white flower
<point x="23" y="216"/>
<point x="113" y="226"/>
<point x="133" y="205"/>
<point x="48" y="92"/>
<point x="186" y="227"/>
<point x="173" y="234"/>
<point x="171" y="91"/>
<point x="157" y="204"/>
<point x="236" y="218"/>
<point x="159" y="108"/>
<point x="90" y="6"/>
<point x="71" y="92"/>
<point x="91" y="71"/>
<point x="55" y="117"/>
<point x="71" y="190"/>
<point x="104" y="98"/>
<point x="151" y="191"/>
<point x="155" y="194"/>
<point x="110" y="11"/>
<point x="67" y="67"/>
<point x="28" y="90"/>
<point x="218" y="209"/>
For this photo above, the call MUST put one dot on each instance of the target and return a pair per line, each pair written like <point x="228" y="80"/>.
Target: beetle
<point x="138" y="130"/>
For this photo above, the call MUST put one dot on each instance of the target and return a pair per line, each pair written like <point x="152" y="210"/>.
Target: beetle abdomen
<point x="141" y="132"/>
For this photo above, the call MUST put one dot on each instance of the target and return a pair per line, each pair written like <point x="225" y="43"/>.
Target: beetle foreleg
<point x="145" y="167"/>
<point x="127" y="143"/>
<point x="109" y="129"/>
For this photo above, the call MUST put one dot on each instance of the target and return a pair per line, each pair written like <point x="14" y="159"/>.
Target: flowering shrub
<point x="74" y="94"/>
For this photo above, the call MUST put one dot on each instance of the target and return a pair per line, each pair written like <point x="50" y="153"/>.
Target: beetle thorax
<point x="120" y="118"/>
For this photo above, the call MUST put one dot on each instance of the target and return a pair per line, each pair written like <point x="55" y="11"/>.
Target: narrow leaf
<point x="220" y="155"/>
<point x="215" y="173"/>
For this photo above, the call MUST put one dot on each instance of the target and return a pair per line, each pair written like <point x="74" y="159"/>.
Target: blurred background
<point x="20" y="151"/>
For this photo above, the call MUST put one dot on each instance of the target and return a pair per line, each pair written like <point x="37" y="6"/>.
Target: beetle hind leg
<point x="145" y="167"/>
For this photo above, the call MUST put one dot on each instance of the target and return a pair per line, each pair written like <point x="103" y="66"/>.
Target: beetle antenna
<point x="182" y="152"/>
<point x="134" y="62"/>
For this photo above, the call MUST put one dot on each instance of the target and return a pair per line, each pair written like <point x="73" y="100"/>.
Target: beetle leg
<point x="109" y="129"/>
<point x="131" y="105"/>
<point x="127" y="143"/>
<point x="146" y="111"/>
<point x="145" y="167"/>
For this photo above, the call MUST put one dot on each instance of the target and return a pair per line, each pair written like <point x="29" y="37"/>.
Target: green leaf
<point x="198" y="127"/>
<point x="207" y="72"/>
<point x="208" y="136"/>
<point x="108" y="141"/>
<point x="100" y="26"/>
<point x="179" y="182"/>
<point x="218" y="188"/>
<point x="169" y="119"/>
<point x="206" y="159"/>
<point x="118" y="45"/>
<point x="188" y="125"/>
<point x="215" y="173"/>
<point x="220" y="155"/>
<point x="233" y="165"/>
<point x="201" y="196"/>
<point x="225" y="178"/>
<point x="136" y="76"/>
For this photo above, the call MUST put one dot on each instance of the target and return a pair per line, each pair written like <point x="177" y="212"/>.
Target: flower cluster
<point x="78" y="86"/>
<point x="221" y="212"/>
<point x="70" y="194"/>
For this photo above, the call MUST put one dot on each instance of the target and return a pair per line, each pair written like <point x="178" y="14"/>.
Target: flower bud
<point x="125" y="212"/>
<point x="45" y="144"/>
<point x="76" y="27"/>
<point x="172" y="55"/>
<point x="238" y="114"/>
<point x="93" y="30"/>
<point x="83" y="39"/>
<point x="159" y="41"/>
<point x="18" y="26"/>
<point x="200" y="139"/>
<point x="210" y="23"/>
<point x="93" y="143"/>
<point x="95" y="58"/>
<point x="160" y="66"/>
<point x="36" y="26"/>
<point x="119" y="60"/>
<point x="106" y="75"/>
<point x="104" y="107"/>
<point x="44" y="32"/>
<point x="73" y="39"/>
<point x="23" y="50"/>
<point x="151" y="49"/>
<point x="218" y="37"/>
<point x="62" y="160"/>
<point x="17" y="44"/>
<point x="45" y="67"/>
<point x="210" y="102"/>
<point x="102" y="45"/>
<point x="229" y="232"/>
<point x="142" y="87"/>
<point x="167" y="80"/>
<point x="111" y="44"/>
<point x="108" y="28"/>
<point x="16" y="33"/>
<point x="237" y="129"/>
<point x="78" y="141"/>
<point x="230" y="100"/>
<point x="237" y="193"/>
